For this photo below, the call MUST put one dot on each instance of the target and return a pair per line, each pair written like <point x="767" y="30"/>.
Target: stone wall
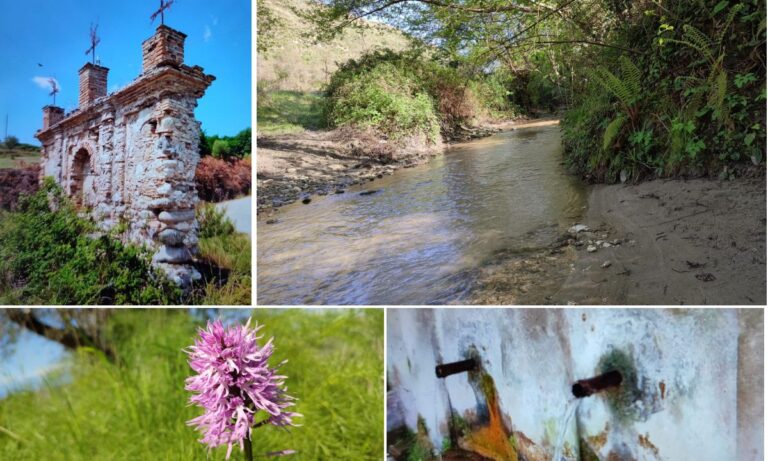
<point x="130" y="157"/>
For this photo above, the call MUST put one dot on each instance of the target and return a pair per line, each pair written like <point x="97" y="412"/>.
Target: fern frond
<point x="698" y="40"/>
<point x="612" y="130"/>
<point x="613" y="85"/>
<point x="631" y="75"/>
<point x="717" y="93"/>
<point x="727" y="24"/>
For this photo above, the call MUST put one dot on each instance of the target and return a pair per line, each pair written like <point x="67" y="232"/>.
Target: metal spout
<point x="448" y="369"/>
<point x="586" y="387"/>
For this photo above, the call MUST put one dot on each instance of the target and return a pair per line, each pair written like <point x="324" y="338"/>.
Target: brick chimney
<point x="164" y="48"/>
<point x="93" y="83"/>
<point x="52" y="115"/>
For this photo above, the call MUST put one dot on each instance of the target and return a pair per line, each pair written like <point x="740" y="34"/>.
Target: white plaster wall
<point x="534" y="355"/>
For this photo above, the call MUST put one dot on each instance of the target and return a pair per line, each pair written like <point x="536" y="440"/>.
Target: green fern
<point x="727" y="24"/>
<point x="631" y="74"/>
<point x="612" y="130"/>
<point x="627" y="88"/>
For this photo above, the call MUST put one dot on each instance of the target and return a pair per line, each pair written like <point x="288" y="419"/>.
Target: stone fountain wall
<point x="695" y="389"/>
<point x="128" y="159"/>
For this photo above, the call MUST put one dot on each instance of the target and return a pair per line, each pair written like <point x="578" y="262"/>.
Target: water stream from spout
<point x="570" y="410"/>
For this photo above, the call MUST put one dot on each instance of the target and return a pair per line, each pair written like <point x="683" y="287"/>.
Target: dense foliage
<point x="218" y="179"/>
<point x="406" y="94"/>
<point x="690" y="100"/>
<point x="226" y="147"/>
<point x="49" y="255"/>
<point x="650" y="88"/>
<point x="135" y="407"/>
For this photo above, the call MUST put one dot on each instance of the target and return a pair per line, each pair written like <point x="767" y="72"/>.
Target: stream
<point x="420" y="238"/>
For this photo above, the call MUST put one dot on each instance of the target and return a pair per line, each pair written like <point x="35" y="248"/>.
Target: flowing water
<point x="570" y="410"/>
<point x="422" y="237"/>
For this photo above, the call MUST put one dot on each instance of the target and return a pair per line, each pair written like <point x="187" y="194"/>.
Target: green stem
<point x="248" y="450"/>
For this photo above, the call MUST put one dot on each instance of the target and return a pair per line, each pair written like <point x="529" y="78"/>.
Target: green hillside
<point x="295" y="63"/>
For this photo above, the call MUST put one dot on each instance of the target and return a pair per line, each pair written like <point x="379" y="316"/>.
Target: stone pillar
<point x="165" y="48"/>
<point x="51" y="116"/>
<point x="93" y="83"/>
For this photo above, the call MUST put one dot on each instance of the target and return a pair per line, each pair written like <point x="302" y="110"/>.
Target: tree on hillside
<point x="11" y="142"/>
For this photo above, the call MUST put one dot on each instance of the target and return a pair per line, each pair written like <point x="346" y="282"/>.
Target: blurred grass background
<point x="136" y="407"/>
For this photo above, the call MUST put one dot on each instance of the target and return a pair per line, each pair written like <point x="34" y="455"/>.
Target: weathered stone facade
<point x="130" y="157"/>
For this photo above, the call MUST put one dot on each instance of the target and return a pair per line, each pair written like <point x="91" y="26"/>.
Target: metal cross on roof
<point x="54" y="89"/>
<point x="95" y="40"/>
<point x="164" y="5"/>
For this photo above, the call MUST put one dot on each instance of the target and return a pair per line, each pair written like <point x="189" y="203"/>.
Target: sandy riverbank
<point x="663" y="242"/>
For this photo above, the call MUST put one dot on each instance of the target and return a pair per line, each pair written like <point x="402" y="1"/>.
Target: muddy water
<point x="422" y="237"/>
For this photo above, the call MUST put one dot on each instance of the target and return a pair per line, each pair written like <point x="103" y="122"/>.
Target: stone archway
<point x="81" y="178"/>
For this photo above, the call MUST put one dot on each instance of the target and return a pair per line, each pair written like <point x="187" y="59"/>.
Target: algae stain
<point x="621" y="399"/>
<point x="492" y="440"/>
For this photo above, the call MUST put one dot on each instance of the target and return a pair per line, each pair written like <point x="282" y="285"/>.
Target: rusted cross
<point x="95" y="40"/>
<point x="164" y="5"/>
<point x="54" y="89"/>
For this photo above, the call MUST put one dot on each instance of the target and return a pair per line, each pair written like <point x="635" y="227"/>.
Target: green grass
<point x="283" y="112"/>
<point x="137" y="410"/>
<point x="231" y="252"/>
<point x="15" y="158"/>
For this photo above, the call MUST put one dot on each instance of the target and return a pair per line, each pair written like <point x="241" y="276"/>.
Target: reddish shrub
<point x="16" y="182"/>
<point x="219" y="180"/>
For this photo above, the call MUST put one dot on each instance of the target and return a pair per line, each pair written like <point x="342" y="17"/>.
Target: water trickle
<point x="570" y="410"/>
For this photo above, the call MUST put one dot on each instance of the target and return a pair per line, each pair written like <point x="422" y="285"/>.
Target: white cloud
<point x="207" y="33"/>
<point x="44" y="82"/>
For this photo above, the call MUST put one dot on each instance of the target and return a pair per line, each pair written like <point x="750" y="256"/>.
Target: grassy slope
<point x="309" y="65"/>
<point x="15" y="158"/>
<point x="138" y="410"/>
<point x="292" y="103"/>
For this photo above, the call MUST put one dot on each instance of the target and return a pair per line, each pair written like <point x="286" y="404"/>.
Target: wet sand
<point x="683" y="242"/>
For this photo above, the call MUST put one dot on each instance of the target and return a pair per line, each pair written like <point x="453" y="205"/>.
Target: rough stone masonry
<point x="128" y="159"/>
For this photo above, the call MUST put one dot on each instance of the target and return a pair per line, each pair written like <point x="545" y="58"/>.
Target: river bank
<point x="298" y="166"/>
<point x="499" y="221"/>
<point x="662" y="242"/>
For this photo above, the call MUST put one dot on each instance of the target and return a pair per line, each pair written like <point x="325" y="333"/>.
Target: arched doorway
<point x="82" y="177"/>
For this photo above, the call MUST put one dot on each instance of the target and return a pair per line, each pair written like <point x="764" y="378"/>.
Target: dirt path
<point x="679" y="242"/>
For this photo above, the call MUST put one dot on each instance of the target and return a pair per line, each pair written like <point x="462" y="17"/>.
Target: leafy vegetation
<point x="695" y="107"/>
<point x="50" y="255"/>
<point x="648" y="89"/>
<point x="135" y="407"/>
<point x="217" y="180"/>
<point x="407" y="94"/>
<point x="226" y="147"/>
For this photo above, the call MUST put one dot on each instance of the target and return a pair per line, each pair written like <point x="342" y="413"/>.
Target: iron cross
<point x="54" y="89"/>
<point x="95" y="40"/>
<point x="164" y="5"/>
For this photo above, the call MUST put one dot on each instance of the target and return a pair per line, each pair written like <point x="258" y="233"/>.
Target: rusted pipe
<point x="448" y="369"/>
<point x="586" y="387"/>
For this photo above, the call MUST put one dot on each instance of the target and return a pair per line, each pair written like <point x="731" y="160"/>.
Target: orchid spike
<point x="235" y="385"/>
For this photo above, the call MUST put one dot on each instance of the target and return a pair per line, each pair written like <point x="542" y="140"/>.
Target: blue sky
<point x="56" y="35"/>
<point x="34" y="356"/>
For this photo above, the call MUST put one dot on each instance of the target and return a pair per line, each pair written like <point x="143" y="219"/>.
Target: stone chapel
<point x="129" y="158"/>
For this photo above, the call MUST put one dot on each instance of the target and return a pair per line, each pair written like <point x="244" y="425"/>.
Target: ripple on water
<point x="420" y="239"/>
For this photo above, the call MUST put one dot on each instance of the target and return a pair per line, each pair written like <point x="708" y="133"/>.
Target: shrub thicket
<point x="50" y="255"/>
<point x="691" y="100"/>
<point x="402" y="94"/>
<point x="218" y="180"/>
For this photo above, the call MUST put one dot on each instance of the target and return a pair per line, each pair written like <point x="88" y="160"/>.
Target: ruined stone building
<point x="129" y="158"/>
